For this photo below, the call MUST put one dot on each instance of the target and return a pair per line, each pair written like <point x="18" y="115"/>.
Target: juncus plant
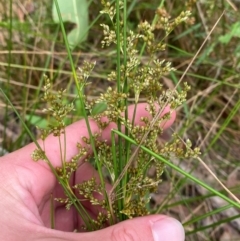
<point x="134" y="148"/>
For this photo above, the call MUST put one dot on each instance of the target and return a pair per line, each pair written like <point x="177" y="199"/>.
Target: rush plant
<point x="134" y="149"/>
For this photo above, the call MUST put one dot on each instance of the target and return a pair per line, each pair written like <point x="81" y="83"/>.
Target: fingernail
<point x="167" y="229"/>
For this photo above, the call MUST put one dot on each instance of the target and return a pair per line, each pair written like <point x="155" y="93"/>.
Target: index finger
<point x="39" y="176"/>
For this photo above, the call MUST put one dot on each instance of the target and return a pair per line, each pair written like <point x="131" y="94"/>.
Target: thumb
<point x="149" y="228"/>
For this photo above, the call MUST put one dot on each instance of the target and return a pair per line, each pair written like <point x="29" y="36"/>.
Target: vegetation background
<point x="31" y="46"/>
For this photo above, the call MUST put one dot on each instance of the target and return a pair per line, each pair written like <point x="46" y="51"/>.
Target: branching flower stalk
<point x="125" y="164"/>
<point x="58" y="110"/>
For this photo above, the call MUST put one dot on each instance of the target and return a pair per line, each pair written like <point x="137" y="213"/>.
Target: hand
<point x="25" y="197"/>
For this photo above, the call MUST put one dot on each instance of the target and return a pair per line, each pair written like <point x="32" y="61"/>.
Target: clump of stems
<point x="124" y="164"/>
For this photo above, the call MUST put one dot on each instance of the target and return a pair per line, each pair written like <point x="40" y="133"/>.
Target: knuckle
<point x="124" y="233"/>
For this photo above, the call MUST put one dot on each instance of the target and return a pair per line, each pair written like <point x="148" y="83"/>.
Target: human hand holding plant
<point x="27" y="186"/>
<point x="137" y="128"/>
<point x="64" y="172"/>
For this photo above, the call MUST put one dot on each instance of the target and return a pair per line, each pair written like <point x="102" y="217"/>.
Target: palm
<point x="37" y="184"/>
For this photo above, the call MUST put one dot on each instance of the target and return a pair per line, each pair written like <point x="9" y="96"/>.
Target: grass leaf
<point x="74" y="11"/>
<point x="234" y="32"/>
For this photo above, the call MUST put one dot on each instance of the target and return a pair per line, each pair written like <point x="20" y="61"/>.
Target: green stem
<point x="224" y="125"/>
<point x="205" y="215"/>
<point x="125" y="90"/>
<point x="160" y="158"/>
<point x="52" y="212"/>
<point x="80" y="89"/>
<point x="216" y="224"/>
<point x="119" y="89"/>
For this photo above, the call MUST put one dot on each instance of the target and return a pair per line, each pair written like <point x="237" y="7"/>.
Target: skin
<point x="26" y="188"/>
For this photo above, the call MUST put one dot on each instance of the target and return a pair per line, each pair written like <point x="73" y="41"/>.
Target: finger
<point x="139" y="113"/>
<point x="78" y="130"/>
<point x="37" y="176"/>
<point x="150" y="228"/>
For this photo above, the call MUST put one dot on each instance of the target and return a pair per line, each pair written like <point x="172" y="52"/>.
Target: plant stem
<point x="160" y="158"/>
<point x="119" y="89"/>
